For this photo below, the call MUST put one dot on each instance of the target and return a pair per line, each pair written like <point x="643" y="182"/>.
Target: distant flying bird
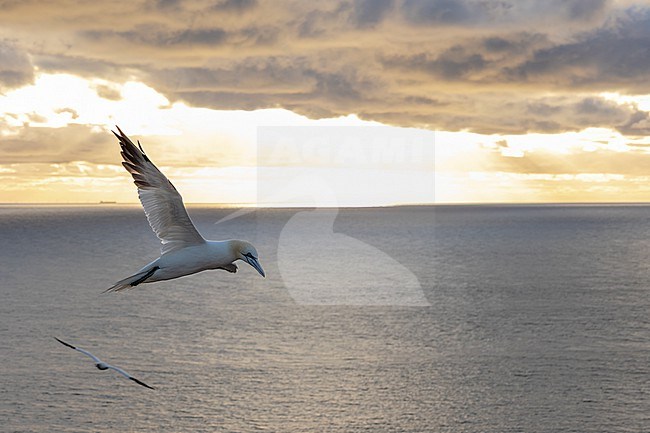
<point x="184" y="251"/>
<point x="104" y="366"/>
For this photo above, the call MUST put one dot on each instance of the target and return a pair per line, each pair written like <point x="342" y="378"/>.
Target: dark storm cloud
<point x="319" y="23"/>
<point x="85" y="67"/>
<point x="307" y="85"/>
<point x="480" y="61"/>
<point x="15" y="66"/>
<point x="605" y="63"/>
<point x="271" y="74"/>
<point x="560" y="10"/>
<point x="511" y="114"/>
<point x="497" y="44"/>
<point x="454" y="63"/>
<point x="368" y="13"/>
<point x="167" y="4"/>
<point x="584" y="9"/>
<point x="613" y="58"/>
<point x="487" y="12"/>
<point x="486" y="66"/>
<point x="161" y="36"/>
<point x="437" y="11"/>
<point x="235" y="5"/>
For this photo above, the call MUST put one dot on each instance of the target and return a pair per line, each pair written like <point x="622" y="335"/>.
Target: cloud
<point x="108" y="92"/>
<point x="486" y="66"/>
<point x="88" y="67"/>
<point x="160" y="36"/>
<point x="16" y="68"/>
<point x="436" y="11"/>
<point x="512" y="114"/>
<point x="57" y="145"/>
<point x="574" y="11"/>
<point x="368" y="13"/>
<point x="631" y="163"/>
<point x="584" y="9"/>
<point x="455" y="63"/>
<point x="500" y="13"/>
<point x="235" y="5"/>
<point x="71" y="111"/>
<point x="613" y="57"/>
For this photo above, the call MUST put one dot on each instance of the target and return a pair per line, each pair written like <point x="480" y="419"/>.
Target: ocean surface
<point x="509" y="319"/>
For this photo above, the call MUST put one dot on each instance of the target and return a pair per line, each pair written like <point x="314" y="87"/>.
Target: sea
<point x="486" y="318"/>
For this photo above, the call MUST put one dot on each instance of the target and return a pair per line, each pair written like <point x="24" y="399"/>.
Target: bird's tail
<point x="133" y="280"/>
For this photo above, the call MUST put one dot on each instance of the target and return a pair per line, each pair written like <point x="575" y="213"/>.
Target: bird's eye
<point x="249" y="255"/>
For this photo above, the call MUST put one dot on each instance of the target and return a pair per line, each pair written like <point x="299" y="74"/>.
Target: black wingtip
<point x="128" y="146"/>
<point x="139" y="382"/>
<point x="65" y="344"/>
<point x="143" y="153"/>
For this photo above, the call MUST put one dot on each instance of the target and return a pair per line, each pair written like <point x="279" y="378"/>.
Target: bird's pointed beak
<point x="254" y="263"/>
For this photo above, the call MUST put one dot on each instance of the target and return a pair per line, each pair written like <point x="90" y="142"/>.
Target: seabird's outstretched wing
<point x="162" y="203"/>
<point x="85" y="352"/>
<point x="103" y="366"/>
<point x="128" y="376"/>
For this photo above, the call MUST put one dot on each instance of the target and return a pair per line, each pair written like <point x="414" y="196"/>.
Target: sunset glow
<point x="507" y="121"/>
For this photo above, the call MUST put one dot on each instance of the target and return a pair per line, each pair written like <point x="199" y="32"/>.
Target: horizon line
<point x="290" y="206"/>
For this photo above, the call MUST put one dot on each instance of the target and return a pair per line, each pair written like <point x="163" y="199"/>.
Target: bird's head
<point x="246" y="251"/>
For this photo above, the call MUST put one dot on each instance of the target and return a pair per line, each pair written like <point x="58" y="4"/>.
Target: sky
<point x="360" y="102"/>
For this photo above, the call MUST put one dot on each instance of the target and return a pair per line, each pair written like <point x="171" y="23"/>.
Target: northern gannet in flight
<point x="184" y="251"/>
<point x="104" y="366"/>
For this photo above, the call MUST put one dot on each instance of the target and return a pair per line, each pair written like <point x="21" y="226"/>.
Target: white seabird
<point x="184" y="251"/>
<point x="104" y="366"/>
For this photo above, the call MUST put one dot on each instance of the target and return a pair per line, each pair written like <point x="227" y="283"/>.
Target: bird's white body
<point x="190" y="260"/>
<point x="183" y="251"/>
